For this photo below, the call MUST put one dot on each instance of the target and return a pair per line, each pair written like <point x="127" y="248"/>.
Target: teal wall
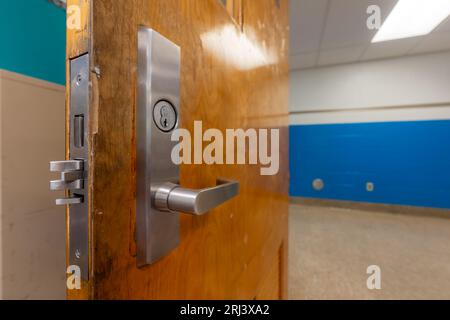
<point x="33" y="37"/>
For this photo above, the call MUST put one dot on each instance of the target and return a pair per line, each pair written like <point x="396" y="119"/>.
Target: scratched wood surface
<point x="234" y="8"/>
<point x="238" y="251"/>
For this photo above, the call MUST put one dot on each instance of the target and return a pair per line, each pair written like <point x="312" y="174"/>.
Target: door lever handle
<point x="171" y="197"/>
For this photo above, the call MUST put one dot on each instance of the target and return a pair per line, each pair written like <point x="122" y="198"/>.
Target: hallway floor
<point x="331" y="248"/>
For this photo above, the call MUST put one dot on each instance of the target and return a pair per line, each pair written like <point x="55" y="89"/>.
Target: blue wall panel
<point x="33" y="39"/>
<point x="408" y="162"/>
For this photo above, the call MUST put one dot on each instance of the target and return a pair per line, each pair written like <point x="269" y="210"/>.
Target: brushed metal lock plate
<point x="157" y="232"/>
<point x="79" y="124"/>
<point x="74" y="171"/>
<point x="159" y="197"/>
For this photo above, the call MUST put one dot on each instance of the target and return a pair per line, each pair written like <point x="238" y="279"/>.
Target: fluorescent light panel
<point x="412" y="18"/>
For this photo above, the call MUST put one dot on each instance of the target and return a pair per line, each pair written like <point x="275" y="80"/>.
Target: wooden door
<point x="239" y="250"/>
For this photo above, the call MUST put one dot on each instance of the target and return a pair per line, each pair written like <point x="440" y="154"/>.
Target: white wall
<point x="400" y="89"/>
<point x="32" y="228"/>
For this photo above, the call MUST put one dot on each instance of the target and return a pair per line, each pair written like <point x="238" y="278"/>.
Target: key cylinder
<point x="165" y="116"/>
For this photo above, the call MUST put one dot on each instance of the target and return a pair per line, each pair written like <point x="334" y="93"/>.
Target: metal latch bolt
<point x="72" y="179"/>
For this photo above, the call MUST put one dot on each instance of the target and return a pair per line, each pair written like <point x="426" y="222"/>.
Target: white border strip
<point x="371" y="115"/>
<point x="14" y="76"/>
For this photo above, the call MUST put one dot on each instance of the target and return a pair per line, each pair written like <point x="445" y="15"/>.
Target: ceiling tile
<point x="303" y="61"/>
<point x="347" y="22"/>
<point x="307" y="18"/>
<point x="433" y="42"/>
<point x="329" y="32"/>
<point x="343" y="55"/>
<point x="390" y="49"/>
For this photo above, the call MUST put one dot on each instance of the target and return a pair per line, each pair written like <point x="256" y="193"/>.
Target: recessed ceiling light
<point x="412" y="18"/>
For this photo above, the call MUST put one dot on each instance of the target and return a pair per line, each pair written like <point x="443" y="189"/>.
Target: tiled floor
<point x="331" y="248"/>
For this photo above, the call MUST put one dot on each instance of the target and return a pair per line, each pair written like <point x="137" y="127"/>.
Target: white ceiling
<point x="329" y="32"/>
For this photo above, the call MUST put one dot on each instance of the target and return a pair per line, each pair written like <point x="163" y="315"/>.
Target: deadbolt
<point x="165" y="116"/>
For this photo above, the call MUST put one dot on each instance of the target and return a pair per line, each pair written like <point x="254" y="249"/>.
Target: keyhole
<point x="164" y="116"/>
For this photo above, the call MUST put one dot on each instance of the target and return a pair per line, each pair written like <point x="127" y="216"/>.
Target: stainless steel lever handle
<point x="173" y="198"/>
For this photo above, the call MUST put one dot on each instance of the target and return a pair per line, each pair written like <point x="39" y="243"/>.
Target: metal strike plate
<point x="157" y="232"/>
<point x="78" y="200"/>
